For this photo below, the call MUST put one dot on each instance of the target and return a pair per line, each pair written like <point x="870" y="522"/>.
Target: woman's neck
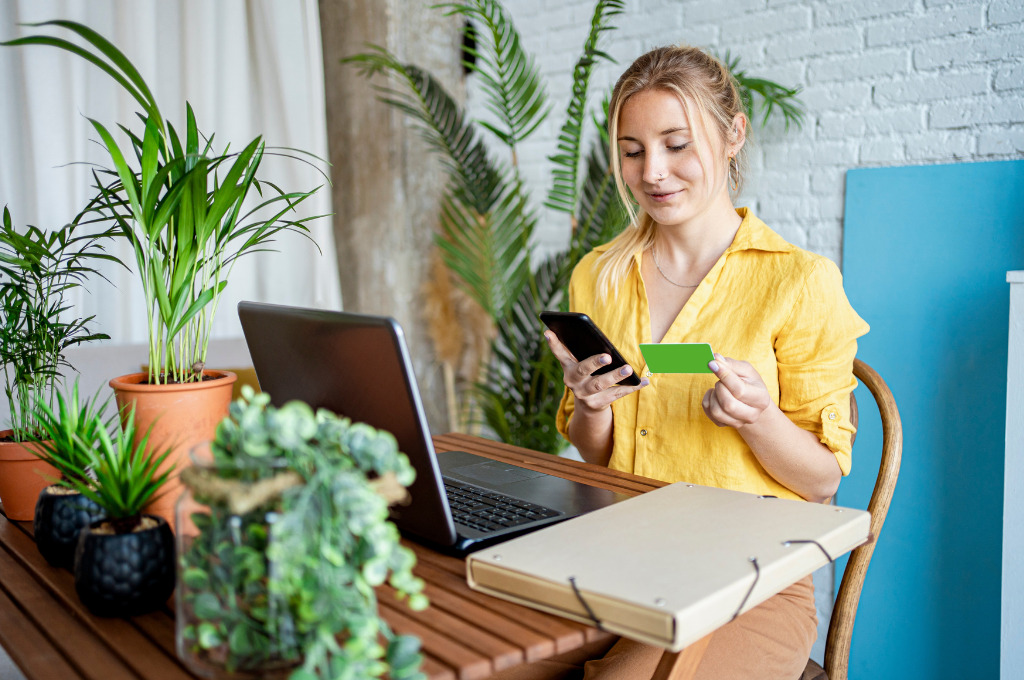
<point x="700" y="240"/>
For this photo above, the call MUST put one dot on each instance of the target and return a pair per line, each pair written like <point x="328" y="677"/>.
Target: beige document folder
<point x="669" y="566"/>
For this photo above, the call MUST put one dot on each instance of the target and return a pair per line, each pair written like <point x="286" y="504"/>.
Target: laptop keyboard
<point x="485" y="510"/>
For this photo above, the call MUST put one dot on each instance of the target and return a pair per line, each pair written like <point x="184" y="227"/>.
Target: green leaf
<point x="209" y="636"/>
<point x="563" y="195"/>
<point x="207" y="606"/>
<point x="509" y="77"/>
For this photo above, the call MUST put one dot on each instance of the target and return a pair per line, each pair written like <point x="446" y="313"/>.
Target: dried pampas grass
<point x="462" y="333"/>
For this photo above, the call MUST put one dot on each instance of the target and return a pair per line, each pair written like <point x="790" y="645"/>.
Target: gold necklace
<point x="654" y="253"/>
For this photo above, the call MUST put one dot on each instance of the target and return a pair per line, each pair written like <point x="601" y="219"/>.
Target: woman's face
<point x="661" y="154"/>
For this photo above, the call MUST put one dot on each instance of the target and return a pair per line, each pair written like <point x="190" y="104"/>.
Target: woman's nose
<point x="654" y="168"/>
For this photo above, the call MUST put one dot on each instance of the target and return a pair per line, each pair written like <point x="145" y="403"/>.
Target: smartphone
<point x="584" y="339"/>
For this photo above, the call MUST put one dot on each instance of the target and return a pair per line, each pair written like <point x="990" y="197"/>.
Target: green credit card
<point x="686" y="357"/>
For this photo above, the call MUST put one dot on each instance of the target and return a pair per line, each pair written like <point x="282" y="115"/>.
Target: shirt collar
<point x="754" y="234"/>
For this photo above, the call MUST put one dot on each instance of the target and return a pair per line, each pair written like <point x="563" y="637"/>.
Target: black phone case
<point x="584" y="339"/>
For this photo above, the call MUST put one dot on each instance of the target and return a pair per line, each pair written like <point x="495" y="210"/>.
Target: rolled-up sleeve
<point x="815" y="351"/>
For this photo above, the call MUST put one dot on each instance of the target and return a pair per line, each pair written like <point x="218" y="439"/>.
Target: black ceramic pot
<point x="125" y="574"/>
<point x="59" y="518"/>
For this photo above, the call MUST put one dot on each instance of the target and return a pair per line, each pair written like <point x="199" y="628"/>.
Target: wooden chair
<point x="840" y="627"/>
<point x="840" y="630"/>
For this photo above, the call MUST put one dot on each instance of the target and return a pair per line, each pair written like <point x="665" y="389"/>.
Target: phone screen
<point x="584" y="339"/>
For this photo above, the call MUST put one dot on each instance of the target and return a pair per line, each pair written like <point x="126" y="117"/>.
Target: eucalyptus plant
<point x="182" y="206"/>
<point x="291" y="539"/>
<point x="39" y="269"/>
<point x="488" y="219"/>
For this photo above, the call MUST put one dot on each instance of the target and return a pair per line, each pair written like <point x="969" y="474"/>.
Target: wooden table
<point x="466" y="635"/>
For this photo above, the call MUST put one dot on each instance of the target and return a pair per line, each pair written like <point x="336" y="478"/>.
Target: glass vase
<point x="230" y="623"/>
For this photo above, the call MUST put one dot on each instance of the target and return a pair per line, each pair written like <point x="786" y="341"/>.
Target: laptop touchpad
<point x="495" y="472"/>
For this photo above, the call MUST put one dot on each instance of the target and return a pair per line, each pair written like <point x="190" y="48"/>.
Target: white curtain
<point x="248" y="68"/>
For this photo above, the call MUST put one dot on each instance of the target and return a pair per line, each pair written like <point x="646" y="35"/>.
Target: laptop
<point x="358" y="366"/>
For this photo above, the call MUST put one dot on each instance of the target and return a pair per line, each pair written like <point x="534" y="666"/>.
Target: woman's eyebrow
<point x="625" y="138"/>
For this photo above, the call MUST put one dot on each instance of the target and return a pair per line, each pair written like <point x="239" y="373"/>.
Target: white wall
<point x="886" y="82"/>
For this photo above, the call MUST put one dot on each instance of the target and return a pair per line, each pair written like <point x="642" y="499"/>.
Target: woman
<point x="691" y="267"/>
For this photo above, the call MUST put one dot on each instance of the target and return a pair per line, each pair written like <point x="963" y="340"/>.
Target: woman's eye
<point x="632" y="154"/>
<point x="679" y="148"/>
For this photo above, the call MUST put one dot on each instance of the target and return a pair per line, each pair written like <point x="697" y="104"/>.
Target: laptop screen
<point x="357" y="366"/>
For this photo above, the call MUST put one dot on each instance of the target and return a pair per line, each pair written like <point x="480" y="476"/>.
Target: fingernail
<point x="605" y="359"/>
<point x="719" y="356"/>
<point x="713" y="365"/>
<point x="645" y="382"/>
<point x="625" y="370"/>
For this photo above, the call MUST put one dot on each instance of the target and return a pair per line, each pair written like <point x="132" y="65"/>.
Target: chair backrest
<point x="840" y="630"/>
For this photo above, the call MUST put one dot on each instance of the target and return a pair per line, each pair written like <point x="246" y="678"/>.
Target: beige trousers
<point x="772" y="641"/>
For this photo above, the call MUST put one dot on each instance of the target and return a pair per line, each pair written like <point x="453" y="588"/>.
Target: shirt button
<point x="832" y="415"/>
<point x="643" y="433"/>
<point x="648" y="374"/>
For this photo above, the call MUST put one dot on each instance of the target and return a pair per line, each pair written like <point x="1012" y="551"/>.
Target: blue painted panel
<point x="925" y="256"/>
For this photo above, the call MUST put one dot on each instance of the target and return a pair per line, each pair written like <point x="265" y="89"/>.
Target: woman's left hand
<point x="740" y="395"/>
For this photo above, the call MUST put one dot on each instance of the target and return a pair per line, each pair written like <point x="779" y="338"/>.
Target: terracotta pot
<point x="22" y="476"/>
<point x="181" y="417"/>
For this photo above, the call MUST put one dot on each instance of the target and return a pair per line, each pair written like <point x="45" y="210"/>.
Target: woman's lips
<point x="662" y="196"/>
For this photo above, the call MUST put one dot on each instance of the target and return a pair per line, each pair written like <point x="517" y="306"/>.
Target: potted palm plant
<point x="283" y="534"/>
<point x="68" y="432"/>
<point x="38" y="269"/>
<point x="189" y="214"/>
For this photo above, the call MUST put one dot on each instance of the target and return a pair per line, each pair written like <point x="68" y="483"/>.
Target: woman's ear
<point x="738" y="133"/>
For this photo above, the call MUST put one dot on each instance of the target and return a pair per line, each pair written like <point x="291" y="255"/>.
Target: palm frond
<point x="771" y="95"/>
<point x="564" y="190"/>
<point x="523" y="382"/>
<point x="508" y="75"/>
<point x="487" y="253"/>
<point x="441" y="122"/>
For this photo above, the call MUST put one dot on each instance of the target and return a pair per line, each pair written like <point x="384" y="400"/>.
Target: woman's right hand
<point x="592" y="392"/>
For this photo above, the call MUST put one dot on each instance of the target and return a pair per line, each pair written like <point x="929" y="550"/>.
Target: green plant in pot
<point x="124" y="563"/>
<point x="283" y="535"/>
<point x="68" y="433"/>
<point x="38" y="271"/>
<point x="189" y="212"/>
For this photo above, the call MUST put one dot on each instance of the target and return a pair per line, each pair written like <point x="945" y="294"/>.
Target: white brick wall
<point x="886" y="82"/>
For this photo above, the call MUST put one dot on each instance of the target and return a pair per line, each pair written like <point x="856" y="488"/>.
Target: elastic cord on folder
<point x="579" y="596"/>
<point x="811" y="540"/>
<point x="757" y="576"/>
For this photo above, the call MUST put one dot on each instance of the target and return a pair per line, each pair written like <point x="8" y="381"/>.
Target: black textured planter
<point x="125" y="574"/>
<point x="59" y="518"/>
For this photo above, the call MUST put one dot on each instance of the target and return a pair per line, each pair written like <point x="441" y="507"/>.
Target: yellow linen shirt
<point x="765" y="301"/>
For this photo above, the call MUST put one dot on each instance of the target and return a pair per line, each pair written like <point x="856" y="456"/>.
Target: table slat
<point x="27" y="645"/>
<point x="501" y="653"/>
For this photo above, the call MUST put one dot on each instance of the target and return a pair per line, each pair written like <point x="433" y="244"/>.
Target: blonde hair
<point x="705" y="87"/>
